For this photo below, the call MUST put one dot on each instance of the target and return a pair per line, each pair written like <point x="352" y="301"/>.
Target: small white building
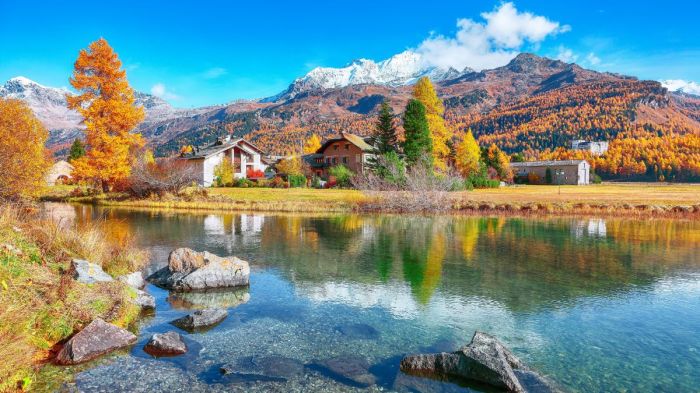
<point x="60" y="172"/>
<point x="575" y="172"/>
<point x="596" y="148"/>
<point x="245" y="157"/>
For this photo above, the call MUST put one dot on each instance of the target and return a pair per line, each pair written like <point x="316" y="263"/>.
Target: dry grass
<point x="40" y="303"/>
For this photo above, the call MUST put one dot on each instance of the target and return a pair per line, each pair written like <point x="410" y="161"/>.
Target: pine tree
<point x="77" y="150"/>
<point x="434" y="109"/>
<point x="384" y="138"/>
<point x="467" y="155"/>
<point x="418" y="146"/>
<point x="106" y="102"/>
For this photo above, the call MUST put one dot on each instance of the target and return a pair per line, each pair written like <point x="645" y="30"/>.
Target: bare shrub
<point x="166" y="175"/>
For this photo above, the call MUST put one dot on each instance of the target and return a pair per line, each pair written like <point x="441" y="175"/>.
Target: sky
<point x="212" y="52"/>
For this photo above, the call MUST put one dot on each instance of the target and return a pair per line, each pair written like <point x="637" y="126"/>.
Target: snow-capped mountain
<point x="681" y="86"/>
<point x="402" y="69"/>
<point x="51" y="108"/>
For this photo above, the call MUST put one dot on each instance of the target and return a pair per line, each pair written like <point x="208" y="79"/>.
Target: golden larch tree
<point x="23" y="157"/>
<point x="424" y="92"/>
<point x="467" y="155"/>
<point x="312" y="144"/>
<point x="107" y="104"/>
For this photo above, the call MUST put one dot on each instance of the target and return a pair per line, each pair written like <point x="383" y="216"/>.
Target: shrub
<point x="254" y="174"/>
<point x="297" y="181"/>
<point x="595" y="179"/>
<point x="342" y="175"/>
<point x="223" y="174"/>
<point x="167" y="175"/>
<point x="533" y="178"/>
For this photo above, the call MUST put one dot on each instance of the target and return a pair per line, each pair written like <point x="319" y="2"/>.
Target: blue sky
<point x="212" y="52"/>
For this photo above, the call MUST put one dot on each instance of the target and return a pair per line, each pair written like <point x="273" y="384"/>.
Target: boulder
<point x="134" y="280"/>
<point x="352" y="370"/>
<point x="165" y="344"/>
<point x="145" y="300"/>
<point x="190" y="270"/>
<point x="97" y="338"/>
<point x="88" y="272"/>
<point x="201" y="319"/>
<point x="484" y="360"/>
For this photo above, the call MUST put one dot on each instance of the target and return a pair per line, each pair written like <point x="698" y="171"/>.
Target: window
<point x="335" y="160"/>
<point x="347" y="146"/>
<point x="335" y="147"/>
<point x="345" y="160"/>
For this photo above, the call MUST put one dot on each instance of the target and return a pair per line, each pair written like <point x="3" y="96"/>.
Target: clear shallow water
<point x="597" y="305"/>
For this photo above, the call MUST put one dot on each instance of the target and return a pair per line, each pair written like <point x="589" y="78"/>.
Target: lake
<point x="598" y="305"/>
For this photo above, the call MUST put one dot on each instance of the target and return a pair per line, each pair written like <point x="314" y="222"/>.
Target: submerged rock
<point x="165" y="344"/>
<point x="484" y="360"/>
<point x="88" y="272"/>
<point x="268" y="366"/>
<point x="213" y="298"/>
<point x="201" y="319"/>
<point x="134" y="280"/>
<point x="97" y="338"/>
<point x="189" y="270"/>
<point x="352" y="370"/>
<point x="358" y="331"/>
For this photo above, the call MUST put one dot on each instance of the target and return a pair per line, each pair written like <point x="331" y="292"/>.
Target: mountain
<point x="401" y="69"/>
<point x="50" y="106"/>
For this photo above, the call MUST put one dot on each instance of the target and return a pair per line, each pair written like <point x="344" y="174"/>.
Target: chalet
<point x="247" y="159"/>
<point x="576" y="172"/>
<point x="59" y="173"/>
<point x="350" y="150"/>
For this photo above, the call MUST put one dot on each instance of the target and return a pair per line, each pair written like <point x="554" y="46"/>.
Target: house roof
<point x="545" y="163"/>
<point x="311" y="160"/>
<point x="218" y="146"/>
<point x="352" y="138"/>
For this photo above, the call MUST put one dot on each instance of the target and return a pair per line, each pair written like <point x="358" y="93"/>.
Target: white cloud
<point x="159" y="90"/>
<point x="566" y="55"/>
<point x="681" y="85"/>
<point x="489" y="44"/>
<point x="215" y="72"/>
<point x="593" y="59"/>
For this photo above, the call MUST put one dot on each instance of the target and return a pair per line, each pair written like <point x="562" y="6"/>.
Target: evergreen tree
<point x="384" y="138"/>
<point x="417" y="145"/>
<point x="77" y="150"/>
<point x="424" y="92"/>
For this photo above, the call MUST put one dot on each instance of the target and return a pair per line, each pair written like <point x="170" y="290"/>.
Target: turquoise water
<point x="597" y="305"/>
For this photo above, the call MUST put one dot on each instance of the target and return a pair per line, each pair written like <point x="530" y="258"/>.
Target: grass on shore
<point x="40" y="303"/>
<point x="630" y="198"/>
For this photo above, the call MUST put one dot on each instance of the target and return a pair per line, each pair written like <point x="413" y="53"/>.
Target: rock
<point x="88" y="272"/>
<point x="351" y="370"/>
<point x="97" y="338"/>
<point x="213" y="298"/>
<point x="358" y="331"/>
<point x="134" y="280"/>
<point x="201" y="319"/>
<point x="484" y="360"/>
<point x="269" y="366"/>
<point x="145" y="300"/>
<point x="189" y="270"/>
<point x="165" y="344"/>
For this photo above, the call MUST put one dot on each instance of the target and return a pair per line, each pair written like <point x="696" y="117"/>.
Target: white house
<point x="596" y="148"/>
<point x="245" y="157"/>
<point x="59" y="172"/>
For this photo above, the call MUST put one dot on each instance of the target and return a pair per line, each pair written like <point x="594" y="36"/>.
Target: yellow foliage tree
<point x="106" y="102"/>
<point x="312" y="144"/>
<point x="290" y="166"/>
<point x="467" y="155"/>
<point x="424" y="92"/>
<point x="23" y="157"/>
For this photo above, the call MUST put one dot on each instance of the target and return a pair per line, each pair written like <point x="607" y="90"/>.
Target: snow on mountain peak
<point x="401" y="69"/>
<point x="681" y="86"/>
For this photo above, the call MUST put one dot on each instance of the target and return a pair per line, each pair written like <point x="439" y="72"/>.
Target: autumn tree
<point x="424" y="92"/>
<point x="467" y="155"/>
<point x="23" y="157"/>
<point x="312" y="144"/>
<point x="417" y="146"/>
<point x="106" y="102"/>
<point x="290" y="166"/>
<point x="499" y="161"/>
<point x="77" y="150"/>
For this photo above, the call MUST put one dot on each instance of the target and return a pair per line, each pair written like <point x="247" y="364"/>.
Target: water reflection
<point x="577" y="298"/>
